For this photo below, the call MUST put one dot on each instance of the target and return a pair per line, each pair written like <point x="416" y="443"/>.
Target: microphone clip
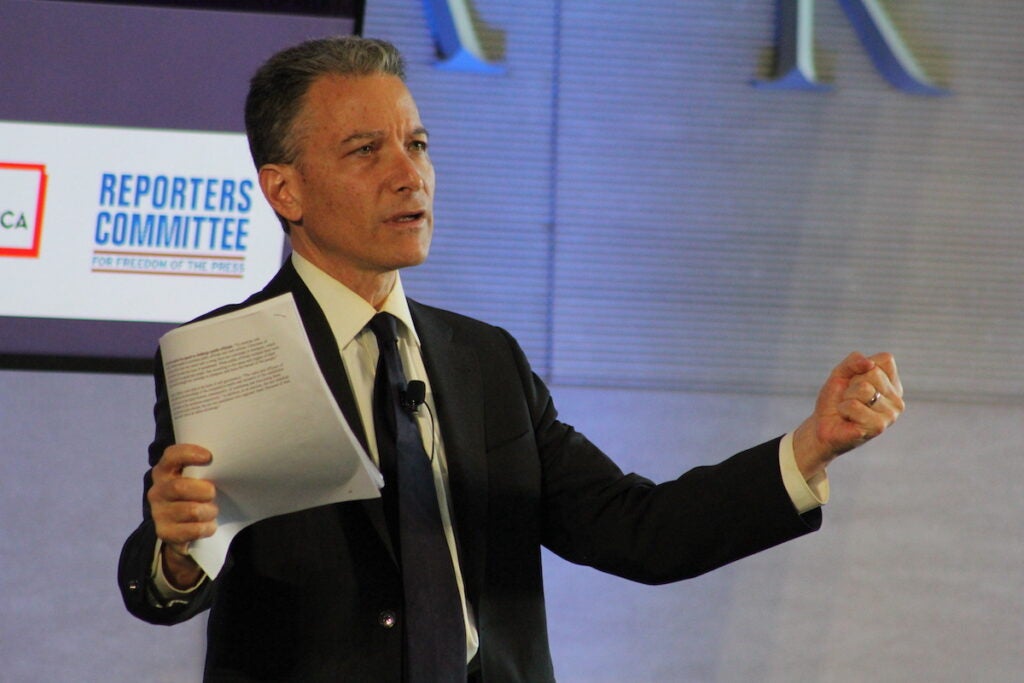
<point x="413" y="396"/>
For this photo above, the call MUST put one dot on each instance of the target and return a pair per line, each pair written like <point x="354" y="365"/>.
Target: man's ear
<point x="281" y="186"/>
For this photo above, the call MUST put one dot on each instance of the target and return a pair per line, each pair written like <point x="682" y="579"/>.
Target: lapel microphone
<point x="413" y="396"/>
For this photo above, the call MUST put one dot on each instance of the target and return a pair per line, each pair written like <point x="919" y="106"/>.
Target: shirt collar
<point x="347" y="312"/>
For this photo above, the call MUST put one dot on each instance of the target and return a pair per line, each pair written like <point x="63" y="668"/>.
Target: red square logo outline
<point x="33" y="251"/>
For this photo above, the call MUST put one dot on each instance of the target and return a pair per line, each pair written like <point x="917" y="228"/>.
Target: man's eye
<point x="419" y="145"/>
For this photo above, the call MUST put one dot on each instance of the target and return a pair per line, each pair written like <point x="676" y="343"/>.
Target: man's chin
<point x="411" y="262"/>
<point x="413" y="257"/>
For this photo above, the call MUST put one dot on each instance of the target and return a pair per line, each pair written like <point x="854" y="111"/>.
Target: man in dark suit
<point x="318" y="595"/>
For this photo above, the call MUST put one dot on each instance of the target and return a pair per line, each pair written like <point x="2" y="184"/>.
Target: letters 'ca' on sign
<point x="21" y="208"/>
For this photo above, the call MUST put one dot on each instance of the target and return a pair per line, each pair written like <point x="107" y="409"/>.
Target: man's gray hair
<point x="278" y="89"/>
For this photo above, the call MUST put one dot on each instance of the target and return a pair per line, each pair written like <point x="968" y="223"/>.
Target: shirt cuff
<point x="166" y="594"/>
<point x="806" y="494"/>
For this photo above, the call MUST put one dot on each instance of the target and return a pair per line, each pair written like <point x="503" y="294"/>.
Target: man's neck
<point x="372" y="286"/>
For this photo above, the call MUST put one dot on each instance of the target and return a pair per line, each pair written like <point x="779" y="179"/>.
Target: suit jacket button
<point x="133" y="586"/>
<point x="387" y="618"/>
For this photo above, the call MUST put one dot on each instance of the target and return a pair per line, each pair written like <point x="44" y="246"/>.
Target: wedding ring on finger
<point x="874" y="399"/>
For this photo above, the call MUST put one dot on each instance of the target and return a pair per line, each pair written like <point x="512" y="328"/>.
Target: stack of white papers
<point x="247" y="387"/>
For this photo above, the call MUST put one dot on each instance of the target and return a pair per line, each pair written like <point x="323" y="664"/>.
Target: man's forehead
<point x="361" y="98"/>
<point x="380" y="86"/>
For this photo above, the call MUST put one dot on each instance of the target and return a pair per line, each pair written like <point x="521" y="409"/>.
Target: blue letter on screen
<point x="455" y="37"/>
<point x="890" y="54"/>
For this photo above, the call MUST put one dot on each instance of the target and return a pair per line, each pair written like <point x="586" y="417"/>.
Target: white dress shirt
<point x="348" y="314"/>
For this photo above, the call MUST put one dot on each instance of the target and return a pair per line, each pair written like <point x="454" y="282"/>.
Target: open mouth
<point x="407" y="217"/>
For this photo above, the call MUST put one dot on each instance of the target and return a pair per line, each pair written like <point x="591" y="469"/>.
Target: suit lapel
<point x="328" y="357"/>
<point x="453" y="370"/>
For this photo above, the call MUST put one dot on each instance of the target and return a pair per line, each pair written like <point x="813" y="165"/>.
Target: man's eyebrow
<point x="377" y="134"/>
<point x="363" y="135"/>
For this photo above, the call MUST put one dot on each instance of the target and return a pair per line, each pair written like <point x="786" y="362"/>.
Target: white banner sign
<point x="122" y="224"/>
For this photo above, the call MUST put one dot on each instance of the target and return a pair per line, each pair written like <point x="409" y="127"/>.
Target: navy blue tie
<point x="434" y="640"/>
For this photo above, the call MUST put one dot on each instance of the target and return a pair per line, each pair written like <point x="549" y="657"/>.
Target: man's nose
<point x="407" y="175"/>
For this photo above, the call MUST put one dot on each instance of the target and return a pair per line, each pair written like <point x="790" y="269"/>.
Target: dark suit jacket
<point x="308" y="596"/>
